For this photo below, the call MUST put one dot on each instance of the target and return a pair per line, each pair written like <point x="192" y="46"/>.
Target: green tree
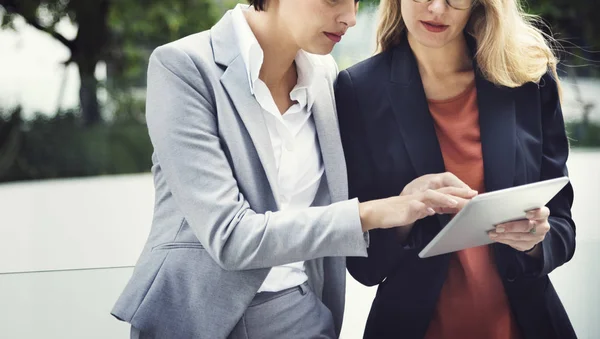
<point x="574" y="24"/>
<point x="139" y="26"/>
<point x="117" y="32"/>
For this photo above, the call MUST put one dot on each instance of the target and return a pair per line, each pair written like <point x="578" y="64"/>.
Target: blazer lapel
<point x="497" y="124"/>
<point x="326" y="124"/>
<point x="235" y="82"/>
<point x="409" y="105"/>
<point x="411" y="111"/>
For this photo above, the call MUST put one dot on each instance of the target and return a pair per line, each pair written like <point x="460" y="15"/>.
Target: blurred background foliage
<point x="120" y="33"/>
<point x="86" y="141"/>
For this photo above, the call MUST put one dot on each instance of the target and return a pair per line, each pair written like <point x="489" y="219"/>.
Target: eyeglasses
<point x="456" y="4"/>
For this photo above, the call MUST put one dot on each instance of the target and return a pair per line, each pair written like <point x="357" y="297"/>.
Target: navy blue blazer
<point x="389" y="139"/>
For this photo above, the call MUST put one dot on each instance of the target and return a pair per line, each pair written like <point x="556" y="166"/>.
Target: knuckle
<point x="416" y="206"/>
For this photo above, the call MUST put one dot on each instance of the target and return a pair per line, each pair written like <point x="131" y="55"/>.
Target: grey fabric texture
<point x="295" y="313"/>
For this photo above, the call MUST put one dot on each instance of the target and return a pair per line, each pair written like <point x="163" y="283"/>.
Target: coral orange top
<point x="472" y="303"/>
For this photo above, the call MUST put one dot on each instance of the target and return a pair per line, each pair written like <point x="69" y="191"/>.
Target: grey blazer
<point x="216" y="229"/>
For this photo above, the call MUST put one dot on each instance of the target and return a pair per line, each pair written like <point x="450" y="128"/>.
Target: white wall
<point x="74" y="223"/>
<point x="90" y="226"/>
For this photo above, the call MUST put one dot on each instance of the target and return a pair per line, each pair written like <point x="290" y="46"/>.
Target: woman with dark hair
<point x="251" y="222"/>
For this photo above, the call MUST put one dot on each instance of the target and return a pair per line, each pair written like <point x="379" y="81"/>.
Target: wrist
<point x="367" y="215"/>
<point x="535" y="251"/>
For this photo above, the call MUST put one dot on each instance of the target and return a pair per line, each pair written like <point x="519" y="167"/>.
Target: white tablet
<point x="470" y="227"/>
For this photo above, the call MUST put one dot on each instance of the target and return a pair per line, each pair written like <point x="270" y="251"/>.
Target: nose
<point x="348" y="14"/>
<point x="437" y="6"/>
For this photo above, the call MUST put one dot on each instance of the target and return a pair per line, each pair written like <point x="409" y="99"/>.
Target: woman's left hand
<point x="523" y="235"/>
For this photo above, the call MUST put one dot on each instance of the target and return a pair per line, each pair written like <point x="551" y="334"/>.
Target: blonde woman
<point x="468" y="87"/>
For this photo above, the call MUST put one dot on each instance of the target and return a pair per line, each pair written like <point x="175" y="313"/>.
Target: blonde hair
<point x="511" y="51"/>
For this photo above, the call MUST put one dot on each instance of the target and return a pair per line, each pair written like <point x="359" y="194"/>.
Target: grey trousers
<point x="294" y="313"/>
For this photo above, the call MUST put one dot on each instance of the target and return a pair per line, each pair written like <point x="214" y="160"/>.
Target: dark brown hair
<point x="259" y="5"/>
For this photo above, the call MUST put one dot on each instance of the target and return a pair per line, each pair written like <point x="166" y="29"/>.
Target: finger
<point x="520" y="237"/>
<point x="533" y="227"/>
<point x="541" y="227"/>
<point x="461" y="203"/>
<point x="435" y="199"/>
<point x="515" y="226"/>
<point x="433" y="181"/>
<point x="451" y="180"/>
<point x="465" y="193"/>
<point x="419" y="210"/>
<point x="538" y="214"/>
<point x="446" y="210"/>
<point x="408" y="211"/>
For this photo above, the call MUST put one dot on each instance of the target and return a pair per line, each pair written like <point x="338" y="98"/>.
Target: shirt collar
<point x="250" y="50"/>
<point x="308" y="66"/>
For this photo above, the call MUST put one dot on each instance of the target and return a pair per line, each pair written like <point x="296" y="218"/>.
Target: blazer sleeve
<point x="182" y="124"/>
<point x="559" y="245"/>
<point x="385" y="250"/>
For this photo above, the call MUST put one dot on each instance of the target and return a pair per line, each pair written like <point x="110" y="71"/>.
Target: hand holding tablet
<point x="523" y="235"/>
<point x="471" y="226"/>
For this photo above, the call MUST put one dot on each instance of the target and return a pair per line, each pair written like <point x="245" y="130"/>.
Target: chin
<point x="437" y="41"/>
<point x="432" y="42"/>
<point x="318" y="49"/>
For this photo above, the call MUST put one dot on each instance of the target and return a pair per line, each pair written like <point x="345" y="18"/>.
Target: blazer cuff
<point x="354" y="240"/>
<point x="533" y="267"/>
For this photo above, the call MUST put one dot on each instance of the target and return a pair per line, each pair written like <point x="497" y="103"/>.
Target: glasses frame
<point x="449" y="4"/>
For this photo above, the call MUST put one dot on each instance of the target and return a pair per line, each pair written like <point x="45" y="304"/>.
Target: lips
<point x="335" y="37"/>
<point x="434" y="27"/>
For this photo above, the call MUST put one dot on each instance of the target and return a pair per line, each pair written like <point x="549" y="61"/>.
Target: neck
<point x="439" y="62"/>
<point x="278" y="48"/>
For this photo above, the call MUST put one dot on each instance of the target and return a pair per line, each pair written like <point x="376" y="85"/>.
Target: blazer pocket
<point x="178" y="245"/>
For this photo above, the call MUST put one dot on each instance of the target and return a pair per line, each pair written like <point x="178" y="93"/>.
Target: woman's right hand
<point x="405" y="209"/>
<point x="435" y="182"/>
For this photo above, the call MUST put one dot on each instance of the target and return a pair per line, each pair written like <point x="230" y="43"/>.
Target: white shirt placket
<point x="287" y="164"/>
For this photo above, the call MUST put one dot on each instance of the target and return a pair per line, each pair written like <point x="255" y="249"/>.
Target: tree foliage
<point x="118" y="32"/>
